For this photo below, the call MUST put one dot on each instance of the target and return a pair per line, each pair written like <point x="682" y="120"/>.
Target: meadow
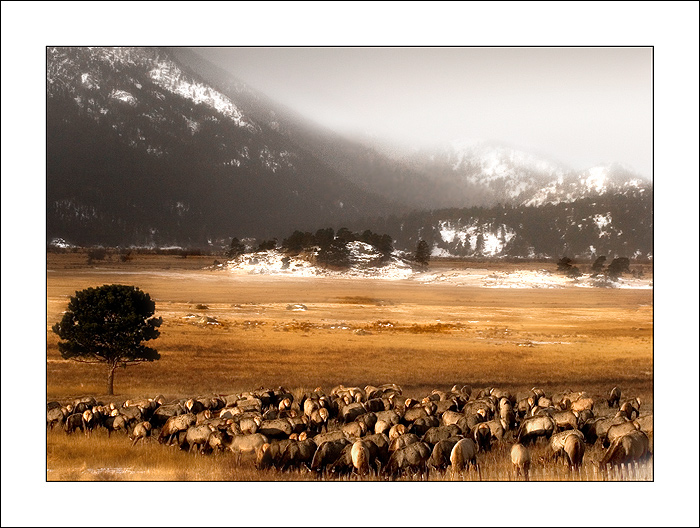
<point x="225" y="333"/>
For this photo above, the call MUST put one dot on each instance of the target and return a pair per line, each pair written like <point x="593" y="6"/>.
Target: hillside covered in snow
<point x="365" y="265"/>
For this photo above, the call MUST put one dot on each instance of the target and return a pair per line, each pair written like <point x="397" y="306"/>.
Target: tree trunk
<point x="110" y="379"/>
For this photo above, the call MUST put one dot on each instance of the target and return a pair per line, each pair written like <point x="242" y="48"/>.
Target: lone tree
<point x="108" y="325"/>
<point x="422" y="253"/>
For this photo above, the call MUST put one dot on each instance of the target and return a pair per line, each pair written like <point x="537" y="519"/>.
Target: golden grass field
<point x="354" y="331"/>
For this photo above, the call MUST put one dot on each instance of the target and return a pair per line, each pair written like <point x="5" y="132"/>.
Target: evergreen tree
<point x="480" y="246"/>
<point x="108" y="325"/>
<point x="267" y="245"/>
<point x="564" y="264"/>
<point x="617" y="267"/>
<point x="235" y="249"/>
<point x="597" y="266"/>
<point x="422" y="253"/>
<point x="336" y="255"/>
<point x="385" y="245"/>
<point x="298" y="241"/>
<point x="324" y="237"/>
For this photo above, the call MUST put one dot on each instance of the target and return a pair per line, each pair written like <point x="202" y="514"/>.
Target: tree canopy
<point x="108" y="325"/>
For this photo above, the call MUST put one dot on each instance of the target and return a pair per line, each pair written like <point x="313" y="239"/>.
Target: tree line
<point x="331" y="246"/>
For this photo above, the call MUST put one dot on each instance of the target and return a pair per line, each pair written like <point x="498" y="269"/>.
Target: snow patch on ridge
<point x="124" y="96"/>
<point x="169" y="77"/>
<point x="467" y="236"/>
<point x="595" y="179"/>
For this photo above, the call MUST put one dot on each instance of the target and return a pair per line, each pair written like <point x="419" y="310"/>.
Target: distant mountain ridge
<point x="507" y="175"/>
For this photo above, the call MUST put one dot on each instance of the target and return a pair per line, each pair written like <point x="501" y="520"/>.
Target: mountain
<point x="158" y="147"/>
<point x="488" y="173"/>
<point x="141" y="150"/>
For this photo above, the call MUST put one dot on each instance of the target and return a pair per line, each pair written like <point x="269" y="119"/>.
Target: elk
<point x="628" y="448"/>
<point x="463" y="455"/>
<point x="520" y="457"/>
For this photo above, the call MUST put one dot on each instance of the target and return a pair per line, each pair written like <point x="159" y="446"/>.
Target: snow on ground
<point x="522" y="279"/>
<point x="276" y="263"/>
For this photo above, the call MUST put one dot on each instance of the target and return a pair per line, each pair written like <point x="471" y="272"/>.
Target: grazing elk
<point x="574" y="448"/>
<point x="540" y="426"/>
<point x="73" y="422"/>
<point x="54" y="416"/>
<point x="174" y="425"/>
<point x="411" y="457"/>
<point x="376" y="429"/>
<point x="442" y="450"/>
<point x="140" y="431"/>
<point x="463" y="455"/>
<point x="520" y="457"/>
<point x="298" y="453"/>
<point x="327" y="453"/>
<point x="628" y="448"/>
<point x="245" y="445"/>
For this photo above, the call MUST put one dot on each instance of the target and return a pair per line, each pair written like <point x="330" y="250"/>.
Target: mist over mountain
<point x="155" y="147"/>
<point x="358" y="162"/>
<point x="488" y="172"/>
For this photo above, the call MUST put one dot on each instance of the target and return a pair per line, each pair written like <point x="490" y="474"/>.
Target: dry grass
<point x="99" y="458"/>
<point x="353" y="332"/>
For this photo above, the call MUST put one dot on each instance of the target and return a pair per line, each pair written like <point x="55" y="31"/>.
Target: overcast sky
<point x="580" y="106"/>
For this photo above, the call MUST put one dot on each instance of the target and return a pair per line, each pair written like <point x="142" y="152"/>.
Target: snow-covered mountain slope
<point x="497" y="173"/>
<point x="123" y="73"/>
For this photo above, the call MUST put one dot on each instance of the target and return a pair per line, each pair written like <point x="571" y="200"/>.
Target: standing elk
<point x="360" y="457"/>
<point x="89" y="421"/>
<point x="482" y="437"/>
<point x="631" y="407"/>
<point x="614" y="397"/>
<point x="520" y="457"/>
